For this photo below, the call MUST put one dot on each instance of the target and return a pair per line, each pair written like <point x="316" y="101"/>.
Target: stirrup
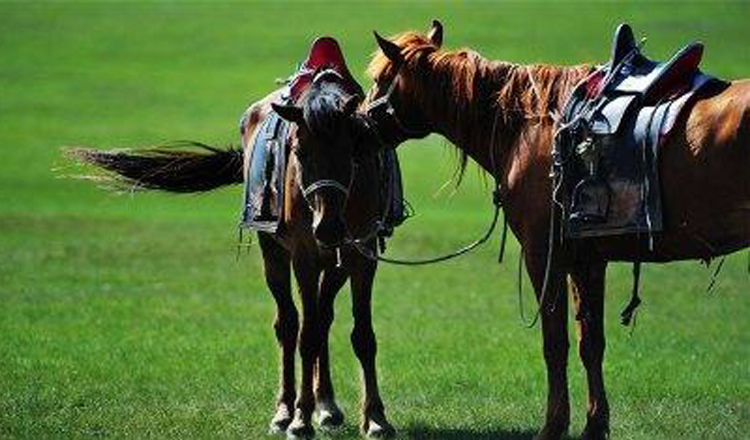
<point x="594" y="209"/>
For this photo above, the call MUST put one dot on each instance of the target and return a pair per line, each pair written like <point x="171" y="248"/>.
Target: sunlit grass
<point x="131" y="316"/>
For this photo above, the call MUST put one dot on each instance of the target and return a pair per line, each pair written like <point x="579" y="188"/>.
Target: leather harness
<point x="605" y="156"/>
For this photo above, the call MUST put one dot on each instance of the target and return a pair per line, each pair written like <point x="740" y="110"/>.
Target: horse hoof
<point x="595" y="430"/>
<point x="299" y="429"/>
<point x="554" y="432"/>
<point x="280" y="421"/>
<point x="380" y="430"/>
<point x="300" y="432"/>
<point x="278" y="427"/>
<point x="330" y="416"/>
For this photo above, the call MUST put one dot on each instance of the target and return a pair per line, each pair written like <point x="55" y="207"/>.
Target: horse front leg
<point x="277" y="274"/>
<point x="554" y="313"/>
<point x="587" y="290"/>
<point x="374" y="422"/>
<point x="306" y="273"/>
<point x="329" y="414"/>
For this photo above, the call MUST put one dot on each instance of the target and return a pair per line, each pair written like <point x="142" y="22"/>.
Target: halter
<point x="384" y="107"/>
<point x="324" y="183"/>
<point x="319" y="184"/>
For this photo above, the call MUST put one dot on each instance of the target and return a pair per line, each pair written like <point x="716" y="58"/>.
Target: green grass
<point x="131" y="317"/>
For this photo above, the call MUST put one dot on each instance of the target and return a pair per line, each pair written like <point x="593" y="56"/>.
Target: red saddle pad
<point x="324" y="52"/>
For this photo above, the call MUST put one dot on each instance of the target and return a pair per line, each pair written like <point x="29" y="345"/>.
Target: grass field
<point x="130" y="316"/>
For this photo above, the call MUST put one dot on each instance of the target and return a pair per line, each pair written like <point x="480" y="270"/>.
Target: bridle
<point x="357" y="242"/>
<point x="382" y="109"/>
<point x="324" y="183"/>
<point x="319" y="184"/>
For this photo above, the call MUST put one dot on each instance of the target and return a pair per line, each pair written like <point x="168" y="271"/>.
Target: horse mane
<point x="485" y="99"/>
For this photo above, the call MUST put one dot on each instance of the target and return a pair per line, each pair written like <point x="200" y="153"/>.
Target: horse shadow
<point x="423" y="432"/>
<point x="431" y="433"/>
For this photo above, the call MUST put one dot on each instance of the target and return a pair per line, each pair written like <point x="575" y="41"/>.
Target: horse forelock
<point x="323" y="104"/>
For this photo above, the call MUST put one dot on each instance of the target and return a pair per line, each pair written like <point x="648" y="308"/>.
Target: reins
<point x="359" y="243"/>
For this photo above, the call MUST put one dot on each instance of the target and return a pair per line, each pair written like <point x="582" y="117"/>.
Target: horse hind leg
<point x="374" y="422"/>
<point x="587" y="290"/>
<point x="277" y="273"/>
<point x="329" y="414"/>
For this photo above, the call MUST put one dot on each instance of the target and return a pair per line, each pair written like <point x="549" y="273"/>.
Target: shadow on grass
<point x="426" y="432"/>
<point x="423" y="432"/>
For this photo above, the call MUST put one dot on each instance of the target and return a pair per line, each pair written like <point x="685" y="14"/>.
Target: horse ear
<point x="351" y="105"/>
<point x="389" y="48"/>
<point x="436" y="33"/>
<point x="289" y="112"/>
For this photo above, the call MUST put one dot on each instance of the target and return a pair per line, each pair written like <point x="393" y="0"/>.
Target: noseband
<point x="334" y="184"/>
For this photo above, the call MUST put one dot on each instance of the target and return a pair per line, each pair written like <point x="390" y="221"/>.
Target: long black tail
<point x="182" y="167"/>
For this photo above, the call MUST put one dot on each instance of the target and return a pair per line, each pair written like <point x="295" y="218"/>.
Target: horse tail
<point x="182" y="167"/>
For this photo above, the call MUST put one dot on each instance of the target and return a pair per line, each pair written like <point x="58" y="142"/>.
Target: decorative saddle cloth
<point x="263" y="200"/>
<point x="606" y="149"/>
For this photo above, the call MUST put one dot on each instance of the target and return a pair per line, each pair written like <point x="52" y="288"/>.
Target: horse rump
<point x="180" y="167"/>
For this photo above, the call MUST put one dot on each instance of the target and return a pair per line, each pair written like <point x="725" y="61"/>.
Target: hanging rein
<point x="383" y="107"/>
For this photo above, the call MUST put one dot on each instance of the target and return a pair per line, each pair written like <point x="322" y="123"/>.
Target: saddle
<point x="263" y="200"/>
<point x="606" y="150"/>
<point x="324" y="52"/>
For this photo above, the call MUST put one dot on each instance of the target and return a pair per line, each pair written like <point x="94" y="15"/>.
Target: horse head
<point x="330" y="137"/>
<point x="395" y="70"/>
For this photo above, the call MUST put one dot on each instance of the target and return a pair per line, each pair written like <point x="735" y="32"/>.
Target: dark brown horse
<point x="499" y="115"/>
<point x="322" y="194"/>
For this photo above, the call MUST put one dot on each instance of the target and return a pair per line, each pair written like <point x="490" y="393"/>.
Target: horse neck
<point x="484" y="107"/>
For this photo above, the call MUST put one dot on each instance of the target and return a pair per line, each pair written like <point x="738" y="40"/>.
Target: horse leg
<point x="554" y="312"/>
<point x="276" y="263"/>
<point x="587" y="289"/>
<point x="309" y="345"/>
<point x="329" y="414"/>
<point x="374" y="422"/>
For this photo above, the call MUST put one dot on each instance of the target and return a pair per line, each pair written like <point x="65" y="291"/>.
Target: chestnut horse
<point x="499" y="114"/>
<point x="322" y="191"/>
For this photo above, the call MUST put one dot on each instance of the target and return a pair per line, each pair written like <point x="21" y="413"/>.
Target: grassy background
<point x="129" y="316"/>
